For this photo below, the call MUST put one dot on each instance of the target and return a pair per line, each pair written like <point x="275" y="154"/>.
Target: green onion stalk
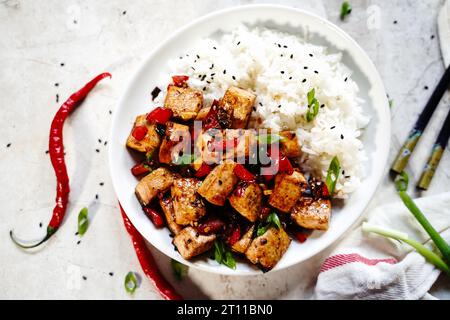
<point x="401" y="183"/>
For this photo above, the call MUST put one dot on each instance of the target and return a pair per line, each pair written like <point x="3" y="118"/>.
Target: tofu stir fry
<point x="222" y="187"/>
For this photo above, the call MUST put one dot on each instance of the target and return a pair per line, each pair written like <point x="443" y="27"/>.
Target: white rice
<point x="272" y="64"/>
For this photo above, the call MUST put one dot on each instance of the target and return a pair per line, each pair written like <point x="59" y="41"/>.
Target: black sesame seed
<point x="57" y="97"/>
<point x="254" y="108"/>
<point x="101" y="183"/>
<point x="343" y="172"/>
<point x="342" y="136"/>
<point x="292" y="56"/>
<point x="347" y="177"/>
<point x="212" y="66"/>
<point x="279" y="45"/>
<point x="345" y="80"/>
<point x="304" y="80"/>
<point x="111" y="274"/>
<point x="322" y="106"/>
<point x="193" y="68"/>
<point x="220" y="182"/>
<point x="76" y="233"/>
<point x="97" y="150"/>
<point x="426" y="87"/>
<point x="212" y="74"/>
<point x="238" y="43"/>
<point x="46" y="151"/>
<point x="311" y="55"/>
<point x="40" y="224"/>
<point x="110" y="112"/>
<point x="56" y="84"/>
<point x="290" y="78"/>
<point x="316" y="72"/>
<point x="234" y="78"/>
<point x="62" y="64"/>
<point x="432" y="37"/>
<point x="260" y="104"/>
<point x="214" y="48"/>
<point x="198" y="57"/>
<point x="279" y="106"/>
<point x="96" y="196"/>
<point x="8" y="145"/>
<point x="75" y="22"/>
<point x="99" y="140"/>
<point x="208" y="82"/>
<point x="124" y="12"/>
<point x="305" y="67"/>
<point x="106" y="142"/>
<point x="78" y="242"/>
<point x="281" y="55"/>
<point x="282" y="72"/>
<point x="224" y="71"/>
<point x="203" y="77"/>
<point x="195" y="61"/>
<point x="84" y="278"/>
<point x="332" y="127"/>
<point x="395" y="21"/>
<point x="285" y="46"/>
<point x="204" y="88"/>
<point x="181" y="58"/>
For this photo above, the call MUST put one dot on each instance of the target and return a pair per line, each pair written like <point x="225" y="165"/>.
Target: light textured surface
<point x="90" y="37"/>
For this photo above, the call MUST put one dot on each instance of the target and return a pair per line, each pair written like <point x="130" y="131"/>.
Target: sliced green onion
<point x="333" y="174"/>
<point x="391" y="103"/>
<point x="179" y="270"/>
<point x="346" y="9"/>
<point x="429" y="255"/>
<point x="272" y="220"/>
<point x="83" y="221"/>
<point x="223" y="256"/>
<point x="131" y="282"/>
<point x="313" y="106"/>
<point x="270" y="138"/>
<point x="185" y="159"/>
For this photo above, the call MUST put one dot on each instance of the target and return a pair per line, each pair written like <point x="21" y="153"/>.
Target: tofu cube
<point x="155" y="182"/>
<point x="236" y="105"/>
<point x="185" y="103"/>
<point x="190" y="243"/>
<point x="187" y="204"/>
<point x="242" y="245"/>
<point x="312" y="214"/>
<point x="175" y="142"/>
<point x="247" y="199"/>
<point x="287" y="190"/>
<point x="219" y="183"/>
<point x="166" y="204"/>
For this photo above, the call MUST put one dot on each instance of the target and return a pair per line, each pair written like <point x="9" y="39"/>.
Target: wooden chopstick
<point x="436" y="154"/>
<point x="405" y="152"/>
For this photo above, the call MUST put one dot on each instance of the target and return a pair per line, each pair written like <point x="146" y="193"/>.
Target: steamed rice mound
<point x="281" y="69"/>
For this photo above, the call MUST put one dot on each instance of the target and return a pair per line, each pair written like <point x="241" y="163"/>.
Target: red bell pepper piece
<point x="285" y="165"/>
<point x="203" y="171"/>
<point x="155" y="217"/>
<point x="213" y="225"/>
<point x="211" y="120"/>
<point x="139" y="132"/>
<point x="180" y="81"/>
<point x="139" y="169"/>
<point x="300" y="236"/>
<point x="160" y="115"/>
<point x="242" y="173"/>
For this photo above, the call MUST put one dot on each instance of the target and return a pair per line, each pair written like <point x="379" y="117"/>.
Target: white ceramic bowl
<point x="155" y="71"/>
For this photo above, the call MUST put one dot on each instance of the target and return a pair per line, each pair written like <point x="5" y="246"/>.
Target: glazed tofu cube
<point x="187" y="203"/>
<point x="312" y="214"/>
<point x="202" y="114"/>
<point x="246" y="199"/>
<point x="235" y="107"/>
<point x="242" y="245"/>
<point x="289" y="145"/>
<point x="175" y="142"/>
<point x="190" y="243"/>
<point x="166" y="204"/>
<point x="184" y="102"/>
<point x="268" y="249"/>
<point x="287" y="190"/>
<point x="151" y="141"/>
<point x="155" y="182"/>
<point x="219" y="183"/>
<point x="240" y="143"/>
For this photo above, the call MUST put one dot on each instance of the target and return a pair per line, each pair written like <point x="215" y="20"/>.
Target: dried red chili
<point x="148" y="263"/>
<point x="155" y="216"/>
<point x="56" y="150"/>
<point x="242" y="173"/>
<point x="211" y="120"/>
<point x="140" y="169"/>
<point x="203" y="171"/>
<point x="180" y="81"/>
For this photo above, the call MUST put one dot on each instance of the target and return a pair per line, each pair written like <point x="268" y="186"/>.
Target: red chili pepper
<point x="160" y="115"/>
<point x="211" y="120"/>
<point x="285" y="165"/>
<point x="155" y="216"/>
<point x="204" y="170"/>
<point x="325" y="192"/>
<point x="139" y="169"/>
<point x="234" y="236"/>
<point x="56" y="150"/>
<point x="212" y="225"/>
<point x="148" y="263"/>
<point x="242" y="173"/>
<point x="280" y="161"/>
<point x="300" y="236"/>
<point x="180" y="81"/>
<point x="139" y="132"/>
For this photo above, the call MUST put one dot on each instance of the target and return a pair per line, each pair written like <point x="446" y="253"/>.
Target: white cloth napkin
<point x="372" y="267"/>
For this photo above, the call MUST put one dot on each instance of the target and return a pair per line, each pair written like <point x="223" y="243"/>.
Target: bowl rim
<point x="384" y="109"/>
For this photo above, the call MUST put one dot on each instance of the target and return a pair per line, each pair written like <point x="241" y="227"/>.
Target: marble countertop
<point x="48" y="49"/>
